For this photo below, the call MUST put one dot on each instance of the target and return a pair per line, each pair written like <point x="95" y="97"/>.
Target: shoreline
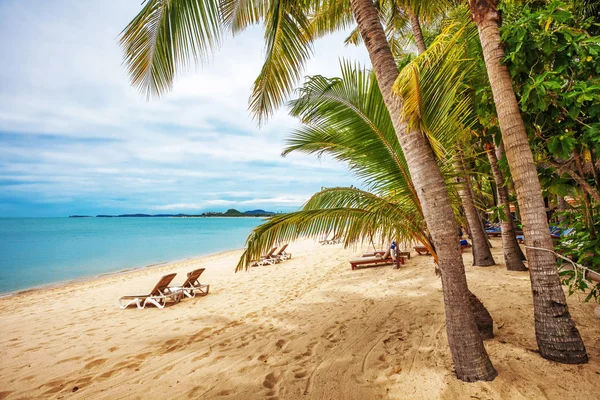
<point x="97" y="277"/>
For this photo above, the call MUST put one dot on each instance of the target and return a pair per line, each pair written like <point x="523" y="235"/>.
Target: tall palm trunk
<point x="482" y="255"/>
<point x="483" y="319"/>
<point x="471" y="361"/>
<point x="510" y="190"/>
<point x="512" y="252"/>
<point x="417" y="32"/>
<point x="557" y="337"/>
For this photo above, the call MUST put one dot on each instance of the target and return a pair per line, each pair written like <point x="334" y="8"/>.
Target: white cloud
<point x="73" y="128"/>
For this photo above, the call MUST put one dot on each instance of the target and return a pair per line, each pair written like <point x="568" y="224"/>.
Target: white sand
<point x="308" y="328"/>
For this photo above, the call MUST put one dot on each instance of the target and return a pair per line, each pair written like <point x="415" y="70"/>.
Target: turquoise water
<point x="39" y="251"/>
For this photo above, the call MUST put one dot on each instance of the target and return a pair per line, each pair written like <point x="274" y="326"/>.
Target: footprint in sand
<point x="299" y="373"/>
<point x="271" y="380"/>
<point x="69" y="359"/>
<point x="200" y="357"/>
<point x="107" y="374"/>
<point x="95" y="363"/>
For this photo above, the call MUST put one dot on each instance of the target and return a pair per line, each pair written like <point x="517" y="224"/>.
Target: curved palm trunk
<point x="557" y="337"/>
<point x="500" y="154"/>
<point x="417" y="32"/>
<point x="471" y="361"/>
<point x="513" y="257"/>
<point x="482" y="255"/>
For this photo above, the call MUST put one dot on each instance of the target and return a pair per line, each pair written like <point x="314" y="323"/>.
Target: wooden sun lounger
<point x="158" y="296"/>
<point x="422" y="250"/>
<point x="375" y="260"/>
<point x="193" y="285"/>
<point x="404" y="254"/>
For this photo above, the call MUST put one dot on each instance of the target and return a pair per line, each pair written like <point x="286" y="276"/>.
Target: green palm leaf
<point x="433" y="87"/>
<point x="347" y="119"/>
<point x="351" y="213"/>
<point x="289" y="45"/>
<point x="168" y="35"/>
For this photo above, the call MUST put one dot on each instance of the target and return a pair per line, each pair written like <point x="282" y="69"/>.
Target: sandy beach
<point x="308" y="328"/>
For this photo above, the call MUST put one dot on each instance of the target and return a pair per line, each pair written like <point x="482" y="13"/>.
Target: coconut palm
<point x="482" y="255"/>
<point x="288" y="37"/>
<point x="513" y="257"/>
<point x="557" y="336"/>
<point x="346" y="118"/>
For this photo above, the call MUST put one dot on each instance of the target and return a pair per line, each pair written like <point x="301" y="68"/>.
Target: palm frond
<point x="347" y="119"/>
<point x="350" y="213"/>
<point x="168" y="35"/>
<point x="432" y="86"/>
<point x="238" y="15"/>
<point x="353" y="38"/>
<point x="289" y="45"/>
<point x="330" y="16"/>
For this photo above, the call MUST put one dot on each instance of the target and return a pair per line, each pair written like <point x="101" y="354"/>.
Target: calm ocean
<point x="40" y="251"/>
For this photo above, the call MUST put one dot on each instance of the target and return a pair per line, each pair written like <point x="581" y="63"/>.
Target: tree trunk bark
<point x="482" y="256"/>
<point x="470" y="358"/>
<point x="513" y="257"/>
<point x="557" y="336"/>
<point x="417" y="32"/>
<point x="484" y="320"/>
<point x="509" y="186"/>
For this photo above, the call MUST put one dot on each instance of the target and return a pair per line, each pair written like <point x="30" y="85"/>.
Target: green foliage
<point x="552" y="56"/>
<point x="346" y="118"/>
<point x="168" y="35"/>
<point x="553" y="61"/>
<point x="582" y="247"/>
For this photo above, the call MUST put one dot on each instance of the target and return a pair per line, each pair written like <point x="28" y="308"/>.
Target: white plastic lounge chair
<point x="193" y="285"/>
<point x="158" y="296"/>
<point x="267" y="259"/>
<point x="282" y="255"/>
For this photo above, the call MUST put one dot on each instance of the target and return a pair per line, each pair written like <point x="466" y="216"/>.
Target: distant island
<point x="229" y="213"/>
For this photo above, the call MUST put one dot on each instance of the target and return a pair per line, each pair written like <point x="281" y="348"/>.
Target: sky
<point x="76" y="138"/>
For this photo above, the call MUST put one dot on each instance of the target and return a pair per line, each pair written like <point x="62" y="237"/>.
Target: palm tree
<point x="557" y="336"/>
<point x="513" y="257"/>
<point x="400" y="16"/>
<point x="469" y="355"/>
<point x="347" y="119"/>
<point x="482" y="255"/>
<point x="179" y="24"/>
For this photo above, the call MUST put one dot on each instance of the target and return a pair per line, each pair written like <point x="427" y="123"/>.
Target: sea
<point x="43" y="251"/>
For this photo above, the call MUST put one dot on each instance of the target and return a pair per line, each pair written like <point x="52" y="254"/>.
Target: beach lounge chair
<point x="157" y="296"/>
<point x="267" y="259"/>
<point x="464" y="244"/>
<point x="282" y="255"/>
<point x="193" y="285"/>
<point x="334" y="240"/>
<point x="386" y="258"/>
<point x="403" y="254"/>
<point x="494" y="232"/>
<point x="422" y="250"/>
